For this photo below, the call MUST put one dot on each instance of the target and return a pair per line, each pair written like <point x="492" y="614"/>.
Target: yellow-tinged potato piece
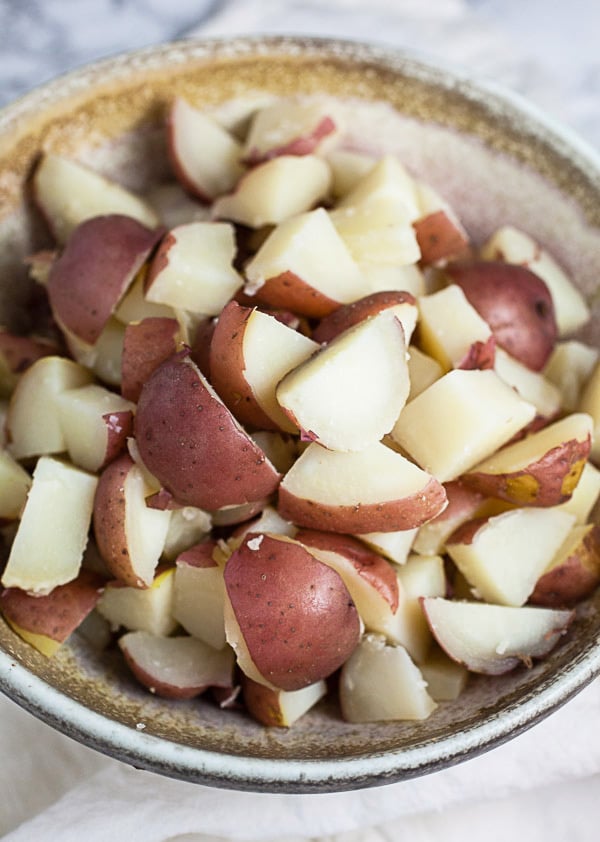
<point x="573" y="573"/>
<point x="480" y="413"/>
<point x="15" y="483"/>
<point x="136" y="609"/>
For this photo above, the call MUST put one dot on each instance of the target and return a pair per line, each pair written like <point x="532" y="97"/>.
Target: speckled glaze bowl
<point x="497" y="160"/>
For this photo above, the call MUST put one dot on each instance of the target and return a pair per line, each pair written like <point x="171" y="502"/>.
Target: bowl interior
<point x="497" y="161"/>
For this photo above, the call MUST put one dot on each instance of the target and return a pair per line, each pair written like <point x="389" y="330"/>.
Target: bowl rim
<point x="217" y="769"/>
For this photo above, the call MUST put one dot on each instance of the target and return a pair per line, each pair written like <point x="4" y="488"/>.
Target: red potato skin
<point x="294" y="612"/>
<point x="227" y="366"/>
<point x="287" y="291"/>
<point x="20" y="352"/>
<point x="465" y="534"/>
<point x="515" y="303"/>
<point x="145" y="346"/>
<point x="161" y="688"/>
<point x="181" y="174"/>
<point x="262" y="703"/>
<point x="349" y="315"/>
<point x="200" y="555"/>
<point x="440" y="238"/>
<point x="573" y="580"/>
<point x="192" y="444"/>
<point x="231" y="516"/>
<point x="109" y="521"/>
<point x="390" y="516"/>
<point x="369" y="565"/>
<point x="481" y="355"/>
<point x="101" y="258"/>
<point x="549" y="481"/>
<point x="200" y="350"/>
<point x="57" y="614"/>
<point x="119" y="426"/>
<point x="303" y="145"/>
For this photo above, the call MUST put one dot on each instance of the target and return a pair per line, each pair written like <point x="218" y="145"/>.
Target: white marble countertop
<point x="545" y="50"/>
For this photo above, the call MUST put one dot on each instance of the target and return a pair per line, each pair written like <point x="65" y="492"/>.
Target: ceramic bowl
<point x="497" y="160"/>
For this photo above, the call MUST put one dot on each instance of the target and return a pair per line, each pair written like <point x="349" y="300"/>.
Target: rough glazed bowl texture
<point x="497" y="161"/>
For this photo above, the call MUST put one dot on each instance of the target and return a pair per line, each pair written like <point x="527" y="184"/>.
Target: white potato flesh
<point x="276" y="190"/>
<point x="177" y="663"/>
<point x="509" y="552"/>
<point x="187" y="526"/>
<point x="104" y="357"/>
<point x="585" y="495"/>
<point x="421" y="576"/>
<point x="82" y="414"/>
<point x="515" y="246"/>
<point x="449" y="326"/>
<point x="532" y="386"/>
<point x="53" y="532"/>
<point x="423" y="370"/>
<point x="569" y="366"/>
<point x="380" y="683"/>
<point x="383" y="277"/>
<point x="446" y="679"/>
<point x="387" y="180"/>
<point x="480" y="413"/>
<point x="347" y="169"/>
<point x="206" y="154"/>
<point x="175" y="207"/>
<point x="378" y="231"/>
<point x="70" y="193"/>
<point x="198" y="602"/>
<point x="197" y="272"/>
<point x="270" y="350"/>
<point x="33" y="419"/>
<point x="134" y="307"/>
<point x="515" y="457"/>
<point x="292" y="704"/>
<point x="493" y="639"/>
<point x="145" y="528"/>
<point x="279" y="449"/>
<point x="141" y="609"/>
<point x="15" y="483"/>
<point x="277" y="126"/>
<point x="395" y="546"/>
<point x="367" y="477"/>
<point x="349" y="395"/>
<point x="590" y="403"/>
<point x="309" y="247"/>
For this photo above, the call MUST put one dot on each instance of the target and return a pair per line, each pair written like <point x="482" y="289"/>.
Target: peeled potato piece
<point x="141" y="609"/>
<point x="199" y="594"/>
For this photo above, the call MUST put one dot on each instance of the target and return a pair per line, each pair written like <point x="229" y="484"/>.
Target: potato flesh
<point x="532" y="386"/>
<point x="53" y="532"/>
<point x="421" y="576"/>
<point x="198" y="602"/>
<point x="508" y="554"/>
<point x="395" y="546"/>
<point x="449" y="326"/>
<point x="288" y="127"/>
<point x="569" y="366"/>
<point x="15" y="483"/>
<point x="480" y="412"/>
<point x="136" y="609"/>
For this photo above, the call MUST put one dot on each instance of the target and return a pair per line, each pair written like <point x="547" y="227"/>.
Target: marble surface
<point x="544" y="49"/>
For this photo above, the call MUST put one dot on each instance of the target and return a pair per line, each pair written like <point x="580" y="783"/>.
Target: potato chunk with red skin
<point x="192" y="443"/>
<point x="295" y="614"/>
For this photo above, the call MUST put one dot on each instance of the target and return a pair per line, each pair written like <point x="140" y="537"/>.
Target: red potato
<point x="188" y="526"/>
<point x="134" y="307"/>
<point x="191" y="442"/>
<point x="232" y="515"/>
<point x="347" y="169"/>
<point x="420" y="576"/>
<point x="423" y="371"/>
<point x="464" y="504"/>
<point x="141" y="609"/>
<point x="370" y="579"/>
<point x="176" y="667"/>
<point x="69" y="193"/>
<point x="287" y="128"/>
<point x="494" y="639"/>
<point x="130" y="535"/>
<point x="288" y="616"/>
<point x="585" y="496"/>
<point x="52" y="535"/>
<point x="280" y="708"/>
<point x="99" y="262"/>
<point x="446" y="679"/>
<point x="441" y="237"/>
<point x="250" y="353"/>
<point x="379" y="683"/>
<point x="95" y="423"/>
<point x="304" y="266"/>
<point x="387" y="183"/>
<point x="540" y="470"/>
<point x="17" y="354"/>
<point x="377" y="230"/>
<point x="193" y="268"/>
<point x="574" y="572"/>
<point x="404" y="306"/>
<point x="568" y="370"/>
<point x="199" y="594"/>
<point x="395" y="546"/>
<point x="502" y="557"/>
<point x="146" y="345"/>
<point x="274" y="191"/>
<point x="15" y="483"/>
<point x="532" y="386"/>
<point x="374" y="489"/>
<point x="205" y="157"/>
<point x="104" y="358"/>
<point x="47" y="621"/>
<point x="515" y="303"/>
<point x="349" y="394"/>
<point x="279" y="448"/>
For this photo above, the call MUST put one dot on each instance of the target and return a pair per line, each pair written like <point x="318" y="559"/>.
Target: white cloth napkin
<point x="56" y="789"/>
